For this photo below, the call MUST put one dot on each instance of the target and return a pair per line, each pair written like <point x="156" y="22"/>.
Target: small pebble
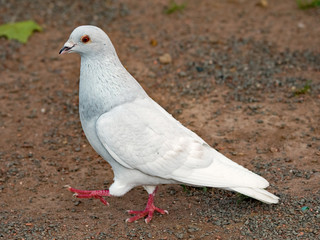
<point x="165" y="58"/>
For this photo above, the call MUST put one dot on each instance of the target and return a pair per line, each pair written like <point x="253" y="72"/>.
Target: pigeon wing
<point x="141" y="135"/>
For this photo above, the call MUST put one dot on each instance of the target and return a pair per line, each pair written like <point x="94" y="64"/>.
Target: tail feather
<point x="257" y="193"/>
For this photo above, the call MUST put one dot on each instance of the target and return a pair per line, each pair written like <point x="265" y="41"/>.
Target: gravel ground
<point x="244" y="77"/>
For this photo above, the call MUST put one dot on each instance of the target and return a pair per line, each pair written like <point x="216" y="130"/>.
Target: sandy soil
<point x="244" y="77"/>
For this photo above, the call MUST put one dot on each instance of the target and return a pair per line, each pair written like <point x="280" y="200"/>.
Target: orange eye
<point x="85" y="39"/>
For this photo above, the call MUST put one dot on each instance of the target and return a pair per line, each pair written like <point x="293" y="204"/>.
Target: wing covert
<point x="141" y="135"/>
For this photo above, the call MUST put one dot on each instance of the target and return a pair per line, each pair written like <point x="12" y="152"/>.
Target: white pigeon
<point x="143" y="143"/>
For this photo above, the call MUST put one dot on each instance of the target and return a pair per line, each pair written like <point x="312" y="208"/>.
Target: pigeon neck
<point x="105" y="84"/>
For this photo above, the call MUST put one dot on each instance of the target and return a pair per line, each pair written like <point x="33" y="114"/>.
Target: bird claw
<point x="98" y="194"/>
<point x="102" y="200"/>
<point x="147" y="212"/>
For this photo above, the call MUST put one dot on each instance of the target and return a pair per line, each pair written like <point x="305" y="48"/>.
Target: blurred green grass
<point x="305" y="4"/>
<point x="174" y="7"/>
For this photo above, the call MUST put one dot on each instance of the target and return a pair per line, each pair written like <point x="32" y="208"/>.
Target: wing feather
<point x="141" y="135"/>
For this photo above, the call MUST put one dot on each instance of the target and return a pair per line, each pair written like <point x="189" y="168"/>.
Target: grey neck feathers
<point x="105" y="84"/>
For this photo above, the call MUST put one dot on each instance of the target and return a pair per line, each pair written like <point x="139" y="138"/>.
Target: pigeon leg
<point x="149" y="210"/>
<point x="98" y="194"/>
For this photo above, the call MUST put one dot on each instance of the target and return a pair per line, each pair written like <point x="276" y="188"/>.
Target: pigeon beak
<point x="66" y="48"/>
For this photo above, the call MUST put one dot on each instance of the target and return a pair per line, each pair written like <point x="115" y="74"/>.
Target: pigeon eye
<point x="85" y="39"/>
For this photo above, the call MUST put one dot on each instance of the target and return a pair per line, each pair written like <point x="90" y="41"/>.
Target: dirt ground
<point x="245" y="77"/>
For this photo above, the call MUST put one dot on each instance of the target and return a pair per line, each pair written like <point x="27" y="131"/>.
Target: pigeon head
<point x="88" y="41"/>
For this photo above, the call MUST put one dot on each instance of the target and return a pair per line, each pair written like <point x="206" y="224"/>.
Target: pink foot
<point x="98" y="194"/>
<point x="149" y="210"/>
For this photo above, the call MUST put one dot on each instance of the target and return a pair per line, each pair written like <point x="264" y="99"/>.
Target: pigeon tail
<point x="257" y="193"/>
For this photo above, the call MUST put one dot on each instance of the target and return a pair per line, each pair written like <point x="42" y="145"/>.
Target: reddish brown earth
<point x="239" y="78"/>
